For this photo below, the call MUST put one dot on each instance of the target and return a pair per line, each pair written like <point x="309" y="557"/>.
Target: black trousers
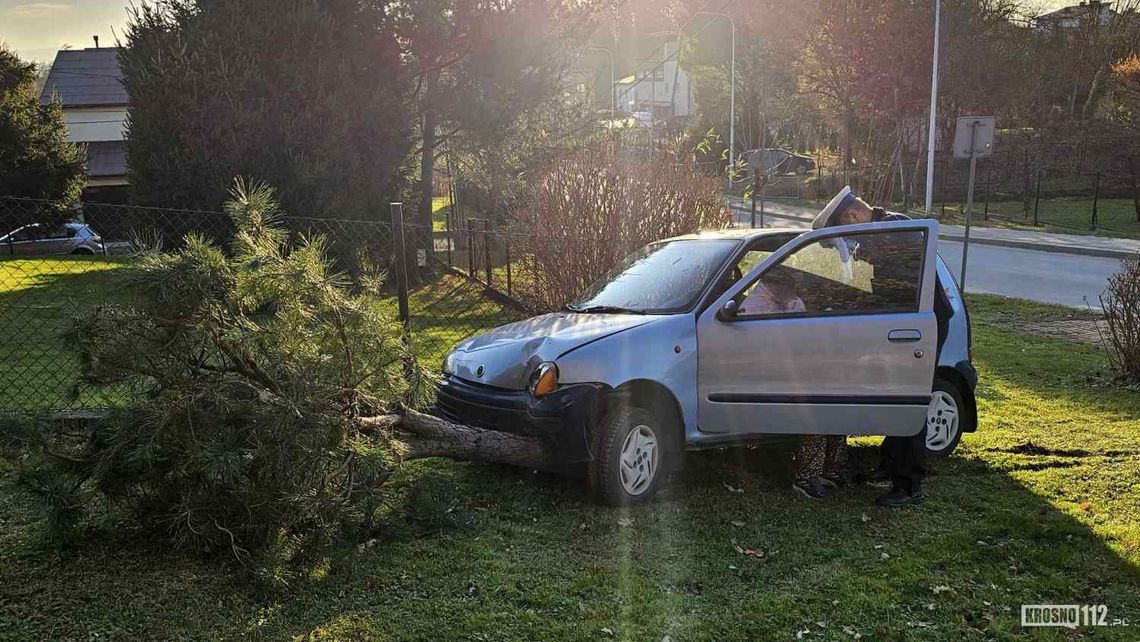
<point x="904" y="459"/>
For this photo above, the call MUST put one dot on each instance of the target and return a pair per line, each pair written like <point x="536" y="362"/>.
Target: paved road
<point x="1048" y="277"/>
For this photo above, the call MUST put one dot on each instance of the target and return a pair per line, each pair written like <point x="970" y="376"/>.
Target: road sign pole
<point x="755" y="186"/>
<point x="969" y="204"/>
<point x="763" y="189"/>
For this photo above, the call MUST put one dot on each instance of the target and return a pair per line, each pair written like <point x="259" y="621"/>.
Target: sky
<point x="36" y="30"/>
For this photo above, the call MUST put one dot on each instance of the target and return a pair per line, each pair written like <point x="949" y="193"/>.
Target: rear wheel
<point x="946" y="417"/>
<point x="82" y="251"/>
<point x="632" y="446"/>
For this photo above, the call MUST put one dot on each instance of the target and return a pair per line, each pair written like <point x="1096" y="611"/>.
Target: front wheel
<point x="945" y="418"/>
<point x="629" y="462"/>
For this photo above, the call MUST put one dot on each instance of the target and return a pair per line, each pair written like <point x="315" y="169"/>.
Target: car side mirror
<point x="728" y="311"/>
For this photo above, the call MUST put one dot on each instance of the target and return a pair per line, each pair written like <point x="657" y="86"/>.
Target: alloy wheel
<point x="638" y="461"/>
<point x="941" y="421"/>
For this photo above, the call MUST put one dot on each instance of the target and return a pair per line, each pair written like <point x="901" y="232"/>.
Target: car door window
<point x="757" y="251"/>
<point x="25" y="233"/>
<point x="862" y="273"/>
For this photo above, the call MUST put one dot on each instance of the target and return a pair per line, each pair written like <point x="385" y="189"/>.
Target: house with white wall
<point x="89" y="85"/>
<point x="659" y="86"/>
<point x="1075" y="16"/>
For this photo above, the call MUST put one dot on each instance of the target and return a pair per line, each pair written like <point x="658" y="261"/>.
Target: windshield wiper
<point x="604" y="309"/>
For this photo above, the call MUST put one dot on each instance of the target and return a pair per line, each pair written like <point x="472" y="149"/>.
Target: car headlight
<point x="449" y="363"/>
<point x="543" y="380"/>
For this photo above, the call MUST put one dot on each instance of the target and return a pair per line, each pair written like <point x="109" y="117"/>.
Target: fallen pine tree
<point x="417" y="435"/>
<point x="263" y="398"/>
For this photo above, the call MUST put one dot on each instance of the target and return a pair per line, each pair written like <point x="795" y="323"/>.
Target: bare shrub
<point x="593" y="208"/>
<point x="1121" y="304"/>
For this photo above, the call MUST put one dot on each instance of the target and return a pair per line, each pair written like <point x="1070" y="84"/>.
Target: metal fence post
<point x="401" y="263"/>
<point x="447" y="230"/>
<point x="507" y="250"/>
<point x="942" y="191"/>
<point x="763" y="195"/>
<point x="470" y="250"/>
<point x="755" y="186"/>
<point x="989" y="179"/>
<point x="1096" y="197"/>
<point x="487" y="248"/>
<point x="1037" y="197"/>
<point x="819" y="180"/>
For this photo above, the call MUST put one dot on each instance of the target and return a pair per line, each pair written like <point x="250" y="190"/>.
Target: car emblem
<point x="479" y="371"/>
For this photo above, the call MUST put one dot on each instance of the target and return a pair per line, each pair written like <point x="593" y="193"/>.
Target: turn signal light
<point x="544" y="380"/>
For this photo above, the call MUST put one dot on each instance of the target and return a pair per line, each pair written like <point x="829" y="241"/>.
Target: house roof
<point x="86" y="78"/>
<point x="1079" y="11"/>
<point x="107" y="158"/>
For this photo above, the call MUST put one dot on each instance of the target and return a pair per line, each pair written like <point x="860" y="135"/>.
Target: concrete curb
<point x="1079" y="250"/>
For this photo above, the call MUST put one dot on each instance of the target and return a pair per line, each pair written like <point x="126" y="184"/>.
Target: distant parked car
<point x="38" y="239"/>
<point x="780" y="161"/>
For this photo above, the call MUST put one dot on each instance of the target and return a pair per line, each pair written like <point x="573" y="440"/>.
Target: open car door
<point x="855" y="355"/>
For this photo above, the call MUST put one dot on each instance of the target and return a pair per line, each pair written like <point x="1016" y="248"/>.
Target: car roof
<point x="737" y="233"/>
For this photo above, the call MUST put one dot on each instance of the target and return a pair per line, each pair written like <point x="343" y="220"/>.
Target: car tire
<point x="632" y="451"/>
<point x="946" y="418"/>
<point x="82" y="251"/>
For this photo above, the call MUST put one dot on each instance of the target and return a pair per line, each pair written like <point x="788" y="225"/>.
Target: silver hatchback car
<point x="38" y="240"/>
<point x="675" y="350"/>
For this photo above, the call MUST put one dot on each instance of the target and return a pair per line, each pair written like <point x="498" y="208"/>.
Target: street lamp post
<point x="731" y="94"/>
<point x="933" y="114"/>
<point x="613" y="87"/>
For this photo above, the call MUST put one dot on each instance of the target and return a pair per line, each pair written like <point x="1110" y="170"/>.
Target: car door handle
<point x="904" y="336"/>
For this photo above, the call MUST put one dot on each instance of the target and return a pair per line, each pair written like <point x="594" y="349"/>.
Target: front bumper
<point x="563" y="419"/>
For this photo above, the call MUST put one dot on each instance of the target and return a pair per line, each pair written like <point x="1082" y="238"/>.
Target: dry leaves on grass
<point x="754" y="553"/>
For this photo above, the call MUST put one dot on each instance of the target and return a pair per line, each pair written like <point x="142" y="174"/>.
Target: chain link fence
<point x="55" y="260"/>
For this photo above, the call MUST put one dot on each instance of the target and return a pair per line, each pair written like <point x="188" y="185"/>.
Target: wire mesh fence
<point x="463" y="276"/>
<point x="56" y="260"/>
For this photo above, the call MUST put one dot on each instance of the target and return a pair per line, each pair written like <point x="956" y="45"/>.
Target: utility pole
<point x="731" y="94"/>
<point x="930" y="138"/>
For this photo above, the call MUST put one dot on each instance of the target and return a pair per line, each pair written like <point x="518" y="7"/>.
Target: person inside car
<point x="820" y="459"/>
<point x="902" y="459"/>
<point x="774" y="294"/>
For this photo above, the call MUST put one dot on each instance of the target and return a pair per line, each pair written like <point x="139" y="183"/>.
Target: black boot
<point x="899" y="496"/>
<point x="812" y="488"/>
<point x="879" y="475"/>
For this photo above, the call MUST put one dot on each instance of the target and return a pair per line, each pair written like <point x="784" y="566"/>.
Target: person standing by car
<point x="819" y="462"/>
<point x="902" y="459"/>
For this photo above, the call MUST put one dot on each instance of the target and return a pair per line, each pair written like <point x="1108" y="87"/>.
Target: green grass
<point x="37" y="298"/>
<point x="440" y="207"/>
<point x="1039" y="506"/>
<point x="1116" y="217"/>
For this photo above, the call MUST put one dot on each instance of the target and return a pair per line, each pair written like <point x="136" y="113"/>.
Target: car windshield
<point x="659" y="278"/>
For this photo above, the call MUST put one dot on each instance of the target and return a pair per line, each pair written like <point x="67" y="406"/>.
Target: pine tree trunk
<point x="423" y="235"/>
<point x="418" y="435"/>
